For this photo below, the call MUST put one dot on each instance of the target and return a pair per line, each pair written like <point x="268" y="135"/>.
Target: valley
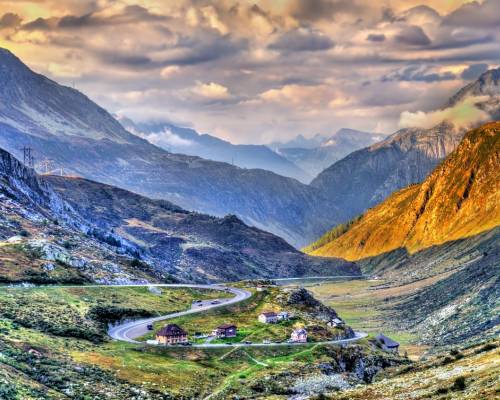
<point x="231" y="200"/>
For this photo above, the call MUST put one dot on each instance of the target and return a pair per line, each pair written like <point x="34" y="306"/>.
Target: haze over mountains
<point x="319" y="152"/>
<point x="176" y="139"/>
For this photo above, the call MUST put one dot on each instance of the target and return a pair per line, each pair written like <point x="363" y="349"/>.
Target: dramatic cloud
<point x="474" y="71"/>
<point x="10" y="20"/>
<point x="463" y="114"/>
<point x="211" y="90"/>
<point x="412" y="36"/>
<point x="302" y="40"/>
<point x="257" y="71"/>
<point x="374" y="37"/>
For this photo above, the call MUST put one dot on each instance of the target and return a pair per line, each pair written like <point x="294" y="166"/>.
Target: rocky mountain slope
<point x="187" y="141"/>
<point x="329" y="150"/>
<point x="72" y="230"/>
<point x="69" y="130"/>
<point x="459" y="199"/>
<point x="368" y="176"/>
<point x="189" y="245"/>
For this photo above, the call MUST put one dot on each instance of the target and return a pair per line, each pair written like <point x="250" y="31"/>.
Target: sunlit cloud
<point x="256" y="71"/>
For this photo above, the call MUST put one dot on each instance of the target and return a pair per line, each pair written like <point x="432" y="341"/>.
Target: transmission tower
<point x="28" y="158"/>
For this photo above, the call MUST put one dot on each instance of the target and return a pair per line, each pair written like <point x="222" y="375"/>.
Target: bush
<point x="459" y="383"/>
<point x="7" y="391"/>
<point x="24" y="233"/>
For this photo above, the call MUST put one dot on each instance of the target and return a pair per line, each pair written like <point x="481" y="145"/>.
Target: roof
<point x="300" y="331"/>
<point x="387" y="341"/>
<point x="171" y="330"/>
<point x="226" y="326"/>
<point x="269" y="314"/>
<point x="283" y="313"/>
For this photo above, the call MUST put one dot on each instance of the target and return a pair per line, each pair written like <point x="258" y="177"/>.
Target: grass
<point x="365" y="305"/>
<point x="244" y="315"/>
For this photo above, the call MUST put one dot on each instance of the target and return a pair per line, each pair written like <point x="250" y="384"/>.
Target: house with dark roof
<point x="171" y="334"/>
<point x="268" y="317"/>
<point x="386" y="343"/>
<point x="225" y="330"/>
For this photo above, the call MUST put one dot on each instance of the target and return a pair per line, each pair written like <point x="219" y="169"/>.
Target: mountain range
<point x="67" y="130"/>
<point x="459" y="199"/>
<point x="319" y="152"/>
<point x="74" y="229"/>
<point x="176" y="139"/>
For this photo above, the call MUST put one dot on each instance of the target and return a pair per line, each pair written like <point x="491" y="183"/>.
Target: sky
<point x="263" y="70"/>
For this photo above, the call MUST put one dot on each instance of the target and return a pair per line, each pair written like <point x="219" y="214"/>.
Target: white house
<point x="283" y="316"/>
<point x="268" y="317"/>
<point x="299" y="336"/>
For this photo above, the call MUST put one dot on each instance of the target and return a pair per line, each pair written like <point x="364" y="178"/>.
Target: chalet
<point x="283" y="316"/>
<point x="171" y="334"/>
<point x="225" y="331"/>
<point x="268" y="317"/>
<point x="387" y="344"/>
<point x="299" y="336"/>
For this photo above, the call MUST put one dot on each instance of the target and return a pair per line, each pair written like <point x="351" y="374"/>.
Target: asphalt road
<point x="129" y="331"/>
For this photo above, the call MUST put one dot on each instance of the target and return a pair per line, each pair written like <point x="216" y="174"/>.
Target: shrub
<point x="24" y="233"/>
<point x="459" y="383"/>
<point x="7" y="391"/>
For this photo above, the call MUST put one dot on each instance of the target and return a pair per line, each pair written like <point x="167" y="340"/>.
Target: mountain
<point x="459" y="199"/>
<point x="487" y="86"/>
<point x="190" y="245"/>
<point x="299" y="141"/>
<point x="330" y="149"/>
<point x="67" y="130"/>
<point x="187" y="141"/>
<point x="71" y="230"/>
<point x="367" y="176"/>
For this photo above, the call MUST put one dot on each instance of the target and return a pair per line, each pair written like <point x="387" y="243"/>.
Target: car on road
<point x="247" y="342"/>
<point x="215" y="302"/>
<point x="266" y="341"/>
<point x="150" y="327"/>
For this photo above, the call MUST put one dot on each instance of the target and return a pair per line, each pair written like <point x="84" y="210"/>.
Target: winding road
<point x="129" y="331"/>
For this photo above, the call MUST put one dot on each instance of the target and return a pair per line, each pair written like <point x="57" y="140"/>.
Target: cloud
<point x="302" y="40"/>
<point x="419" y="73"/>
<point x="10" y="20"/>
<point x="412" y="36"/>
<point x="473" y="71"/>
<point x="165" y="139"/>
<point x="314" y="10"/>
<point x="169" y="71"/>
<point x="376" y="37"/>
<point x="462" y="115"/>
<point x="211" y="90"/>
<point x="205" y="47"/>
<point x="475" y="15"/>
<point x="39" y="24"/>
